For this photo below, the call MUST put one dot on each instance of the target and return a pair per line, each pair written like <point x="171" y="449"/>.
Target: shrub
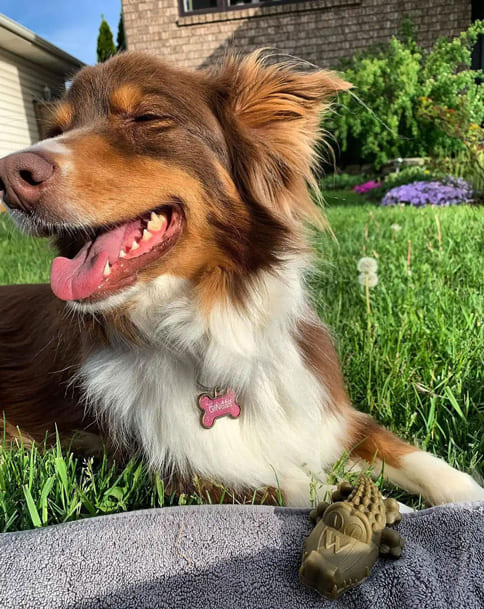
<point x="407" y="175"/>
<point x="105" y="42"/>
<point x="340" y="181"/>
<point x="407" y="95"/>
<point x="468" y="165"/>
<point x="121" y="39"/>
<point x="399" y="178"/>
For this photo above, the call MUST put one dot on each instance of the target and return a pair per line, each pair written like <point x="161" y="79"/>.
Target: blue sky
<point x="71" y="25"/>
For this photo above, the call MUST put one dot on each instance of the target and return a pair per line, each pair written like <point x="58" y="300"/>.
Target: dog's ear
<point x="271" y="116"/>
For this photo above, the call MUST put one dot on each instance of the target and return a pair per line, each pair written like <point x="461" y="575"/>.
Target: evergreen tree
<point x="121" y="40"/>
<point x="105" y="42"/>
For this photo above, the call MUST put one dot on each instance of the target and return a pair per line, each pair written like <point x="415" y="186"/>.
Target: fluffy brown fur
<point x="226" y="158"/>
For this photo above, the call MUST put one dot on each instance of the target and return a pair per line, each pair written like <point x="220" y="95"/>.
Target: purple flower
<point x="449" y="191"/>
<point x="362" y="188"/>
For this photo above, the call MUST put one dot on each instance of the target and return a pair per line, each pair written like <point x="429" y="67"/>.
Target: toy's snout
<point x="318" y="573"/>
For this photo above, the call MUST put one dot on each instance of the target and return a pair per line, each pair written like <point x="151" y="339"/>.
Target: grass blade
<point x="34" y="514"/>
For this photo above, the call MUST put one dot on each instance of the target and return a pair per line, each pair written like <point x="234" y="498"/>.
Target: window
<point x="43" y="111"/>
<point x="478" y="51"/>
<point x="189" y="7"/>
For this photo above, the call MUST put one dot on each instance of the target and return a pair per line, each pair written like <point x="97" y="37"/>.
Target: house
<point x="33" y="73"/>
<point x="194" y="33"/>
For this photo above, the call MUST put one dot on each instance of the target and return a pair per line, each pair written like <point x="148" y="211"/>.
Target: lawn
<point x="411" y="351"/>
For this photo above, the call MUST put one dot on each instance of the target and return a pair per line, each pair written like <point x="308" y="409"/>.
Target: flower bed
<point x="450" y="191"/>
<point x="366" y="187"/>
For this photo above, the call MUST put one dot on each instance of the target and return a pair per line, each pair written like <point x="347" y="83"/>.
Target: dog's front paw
<point x="452" y="486"/>
<point x="435" y="480"/>
<point x="463" y="488"/>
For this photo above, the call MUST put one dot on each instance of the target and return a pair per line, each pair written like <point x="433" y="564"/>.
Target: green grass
<point x="415" y="361"/>
<point x="22" y="259"/>
<point x="51" y="486"/>
<point x="412" y="354"/>
<point x="41" y="486"/>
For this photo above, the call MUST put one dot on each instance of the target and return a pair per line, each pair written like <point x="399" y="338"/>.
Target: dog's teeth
<point x="134" y="245"/>
<point x="156" y="222"/>
<point x="122" y="254"/>
<point x="107" y="269"/>
<point x="146" y="235"/>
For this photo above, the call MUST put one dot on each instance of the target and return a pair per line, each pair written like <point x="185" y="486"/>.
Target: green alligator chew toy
<point x="348" y="537"/>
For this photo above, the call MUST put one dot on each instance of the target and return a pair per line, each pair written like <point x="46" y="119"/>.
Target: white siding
<point x="21" y="82"/>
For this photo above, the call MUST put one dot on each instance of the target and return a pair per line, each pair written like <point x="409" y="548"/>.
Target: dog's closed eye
<point x="144" y="118"/>
<point x="151" y="117"/>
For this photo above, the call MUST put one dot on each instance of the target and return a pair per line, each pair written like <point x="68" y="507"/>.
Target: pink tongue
<point x="79" y="277"/>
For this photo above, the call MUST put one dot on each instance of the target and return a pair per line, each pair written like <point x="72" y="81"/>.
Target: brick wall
<point x="321" y="31"/>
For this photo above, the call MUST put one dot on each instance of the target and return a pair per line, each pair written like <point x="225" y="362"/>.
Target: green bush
<point x="121" y="39"/>
<point x="400" y="178"/>
<point x="105" y="42"/>
<point x="468" y="165"/>
<point x="341" y="181"/>
<point x="403" y="97"/>
<point x="407" y="175"/>
<point x="345" y="181"/>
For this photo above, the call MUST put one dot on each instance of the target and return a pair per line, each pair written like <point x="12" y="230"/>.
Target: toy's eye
<point x="349" y="524"/>
<point x="356" y="530"/>
<point x="336" y="520"/>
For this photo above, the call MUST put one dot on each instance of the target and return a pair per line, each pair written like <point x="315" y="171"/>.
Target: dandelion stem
<point x="439" y="234"/>
<point x="367" y="291"/>
<point x="372" y="216"/>
<point x="409" y="255"/>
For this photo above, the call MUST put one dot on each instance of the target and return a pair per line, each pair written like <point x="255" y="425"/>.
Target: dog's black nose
<point x="23" y="177"/>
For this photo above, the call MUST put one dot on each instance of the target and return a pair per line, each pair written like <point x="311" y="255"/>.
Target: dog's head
<point x="152" y="171"/>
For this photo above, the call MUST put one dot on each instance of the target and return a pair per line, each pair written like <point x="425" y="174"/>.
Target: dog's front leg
<point x="410" y="468"/>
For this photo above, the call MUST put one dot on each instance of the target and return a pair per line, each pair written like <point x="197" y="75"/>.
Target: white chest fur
<point x="285" y="434"/>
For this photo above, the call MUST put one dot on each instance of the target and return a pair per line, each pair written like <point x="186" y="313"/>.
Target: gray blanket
<point x="231" y="557"/>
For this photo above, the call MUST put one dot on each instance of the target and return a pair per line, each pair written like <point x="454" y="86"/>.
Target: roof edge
<point x="19" y="30"/>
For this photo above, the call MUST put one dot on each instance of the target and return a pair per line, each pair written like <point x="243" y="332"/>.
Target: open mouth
<point x="112" y="260"/>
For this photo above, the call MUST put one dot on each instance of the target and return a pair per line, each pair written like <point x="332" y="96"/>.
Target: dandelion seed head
<point x="370" y="279"/>
<point x="367" y="265"/>
<point x="396" y="227"/>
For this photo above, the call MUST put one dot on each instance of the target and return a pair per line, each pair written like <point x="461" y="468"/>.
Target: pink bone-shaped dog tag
<point x="218" y="406"/>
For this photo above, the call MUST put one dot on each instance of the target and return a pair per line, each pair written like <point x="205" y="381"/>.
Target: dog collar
<point x="218" y="404"/>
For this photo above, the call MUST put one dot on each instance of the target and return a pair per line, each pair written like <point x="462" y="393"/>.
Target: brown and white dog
<point x="177" y="201"/>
